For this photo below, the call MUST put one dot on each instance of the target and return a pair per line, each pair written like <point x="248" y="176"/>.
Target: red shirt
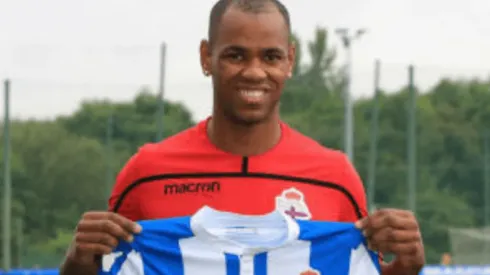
<point x="181" y="174"/>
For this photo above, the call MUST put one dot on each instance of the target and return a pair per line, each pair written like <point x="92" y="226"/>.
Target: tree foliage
<point x="59" y="168"/>
<point x="450" y="124"/>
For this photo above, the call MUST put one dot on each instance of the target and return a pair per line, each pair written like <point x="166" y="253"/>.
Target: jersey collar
<point x="244" y="234"/>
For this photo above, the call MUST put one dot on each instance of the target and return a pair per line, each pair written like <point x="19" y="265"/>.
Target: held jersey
<point x="212" y="242"/>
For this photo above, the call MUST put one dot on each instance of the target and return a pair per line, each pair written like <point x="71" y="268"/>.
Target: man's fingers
<point x="98" y="233"/>
<point x="397" y="212"/>
<point x="395" y="231"/>
<point x="95" y="215"/>
<point x="104" y="226"/>
<point x="92" y="249"/>
<point x="125" y="223"/>
<point x="393" y="227"/>
<point x="362" y="223"/>
<point x="394" y="235"/>
<point x="399" y="222"/>
<point x="397" y="248"/>
<point x="97" y="238"/>
<point x="392" y="220"/>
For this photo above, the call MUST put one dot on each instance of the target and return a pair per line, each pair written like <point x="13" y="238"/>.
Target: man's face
<point x="249" y="61"/>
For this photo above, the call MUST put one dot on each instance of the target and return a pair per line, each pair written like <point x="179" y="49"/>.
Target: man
<point x="243" y="159"/>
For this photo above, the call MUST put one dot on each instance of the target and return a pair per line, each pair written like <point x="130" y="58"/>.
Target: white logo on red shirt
<point x="292" y="203"/>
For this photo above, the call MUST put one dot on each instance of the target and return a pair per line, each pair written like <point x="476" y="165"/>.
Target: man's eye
<point x="272" y="57"/>
<point x="235" y="56"/>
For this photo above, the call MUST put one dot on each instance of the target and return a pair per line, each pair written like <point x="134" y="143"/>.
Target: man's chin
<point x="249" y="118"/>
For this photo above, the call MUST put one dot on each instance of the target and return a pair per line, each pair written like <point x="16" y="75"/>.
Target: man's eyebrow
<point x="234" y="48"/>
<point x="275" y="50"/>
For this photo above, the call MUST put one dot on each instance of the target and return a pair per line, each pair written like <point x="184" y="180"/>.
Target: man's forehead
<point x="248" y="47"/>
<point x="265" y="29"/>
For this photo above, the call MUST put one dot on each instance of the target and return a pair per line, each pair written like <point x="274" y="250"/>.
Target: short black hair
<point x="252" y="6"/>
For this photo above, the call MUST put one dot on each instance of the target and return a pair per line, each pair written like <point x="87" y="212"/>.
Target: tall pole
<point x="109" y="134"/>
<point x="348" y="112"/>
<point x="486" y="188"/>
<point x="160" y="111"/>
<point x="411" y="143"/>
<point x="347" y="40"/>
<point x="20" y="241"/>
<point x="373" y="146"/>
<point x="7" y="184"/>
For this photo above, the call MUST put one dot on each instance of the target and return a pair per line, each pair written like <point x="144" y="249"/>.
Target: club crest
<point x="292" y="203"/>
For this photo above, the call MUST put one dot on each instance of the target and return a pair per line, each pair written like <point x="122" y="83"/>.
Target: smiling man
<point x="243" y="158"/>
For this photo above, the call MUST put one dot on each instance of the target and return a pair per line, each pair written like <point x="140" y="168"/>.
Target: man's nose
<point x="254" y="71"/>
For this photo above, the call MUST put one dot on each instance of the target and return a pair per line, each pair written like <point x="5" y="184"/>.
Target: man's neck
<point x="244" y="140"/>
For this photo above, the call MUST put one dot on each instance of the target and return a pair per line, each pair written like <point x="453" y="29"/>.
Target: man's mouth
<point x="252" y="96"/>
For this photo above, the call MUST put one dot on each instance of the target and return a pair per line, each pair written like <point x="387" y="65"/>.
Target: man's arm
<point x="97" y="233"/>
<point x="390" y="269"/>
<point x="387" y="230"/>
<point x="398" y="267"/>
<point x="71" y="266"/>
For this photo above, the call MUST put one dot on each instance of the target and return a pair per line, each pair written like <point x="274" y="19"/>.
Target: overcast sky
<point x="60" y="52"/>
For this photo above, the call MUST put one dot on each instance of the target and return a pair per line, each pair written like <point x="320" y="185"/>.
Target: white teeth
<point x="252" y="93"/>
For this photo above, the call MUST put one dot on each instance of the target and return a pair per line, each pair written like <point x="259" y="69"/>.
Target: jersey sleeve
<point x="353" y="183"/>
<point x="127" y="175"/>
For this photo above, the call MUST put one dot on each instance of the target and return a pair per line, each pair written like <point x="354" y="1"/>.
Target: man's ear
<point x="291" y="58"/>
<point x="205" y="57"/>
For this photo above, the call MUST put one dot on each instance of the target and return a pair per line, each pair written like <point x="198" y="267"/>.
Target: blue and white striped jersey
<point x="211" y="242"/>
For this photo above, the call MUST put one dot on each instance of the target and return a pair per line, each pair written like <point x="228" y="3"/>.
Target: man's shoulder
<point x="165" y="155"/>
<point x="320" y="161"/>
<point x="329" y="165"/>
<point x="184" y="141"/>
<point x="312" y="148"/>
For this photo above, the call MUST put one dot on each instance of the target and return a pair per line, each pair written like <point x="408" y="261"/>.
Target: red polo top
<point x="181" y="174"/>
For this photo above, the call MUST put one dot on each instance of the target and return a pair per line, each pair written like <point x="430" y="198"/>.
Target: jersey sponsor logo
<point x="310" y="272"/>
<point x="292" y="203"/>
<point x="191" y="187"/>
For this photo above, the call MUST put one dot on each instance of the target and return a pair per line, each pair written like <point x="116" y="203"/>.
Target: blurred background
<point x="402" y="86"/>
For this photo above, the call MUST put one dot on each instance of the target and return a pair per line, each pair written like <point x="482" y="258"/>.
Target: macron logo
<point x="191" y="187"/>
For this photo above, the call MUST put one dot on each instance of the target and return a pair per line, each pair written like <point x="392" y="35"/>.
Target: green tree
<point x="59" y="167"/>
<point x="56" y="176"/>
<point x="134" y="123"/>
<point x="312" y="82"/>
<point x="463" y="111"/>
<point x="449" y="148"/>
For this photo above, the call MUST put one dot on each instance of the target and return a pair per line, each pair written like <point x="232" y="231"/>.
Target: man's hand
<point x="395" y="231"/>
<point x="98" y="233"/>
